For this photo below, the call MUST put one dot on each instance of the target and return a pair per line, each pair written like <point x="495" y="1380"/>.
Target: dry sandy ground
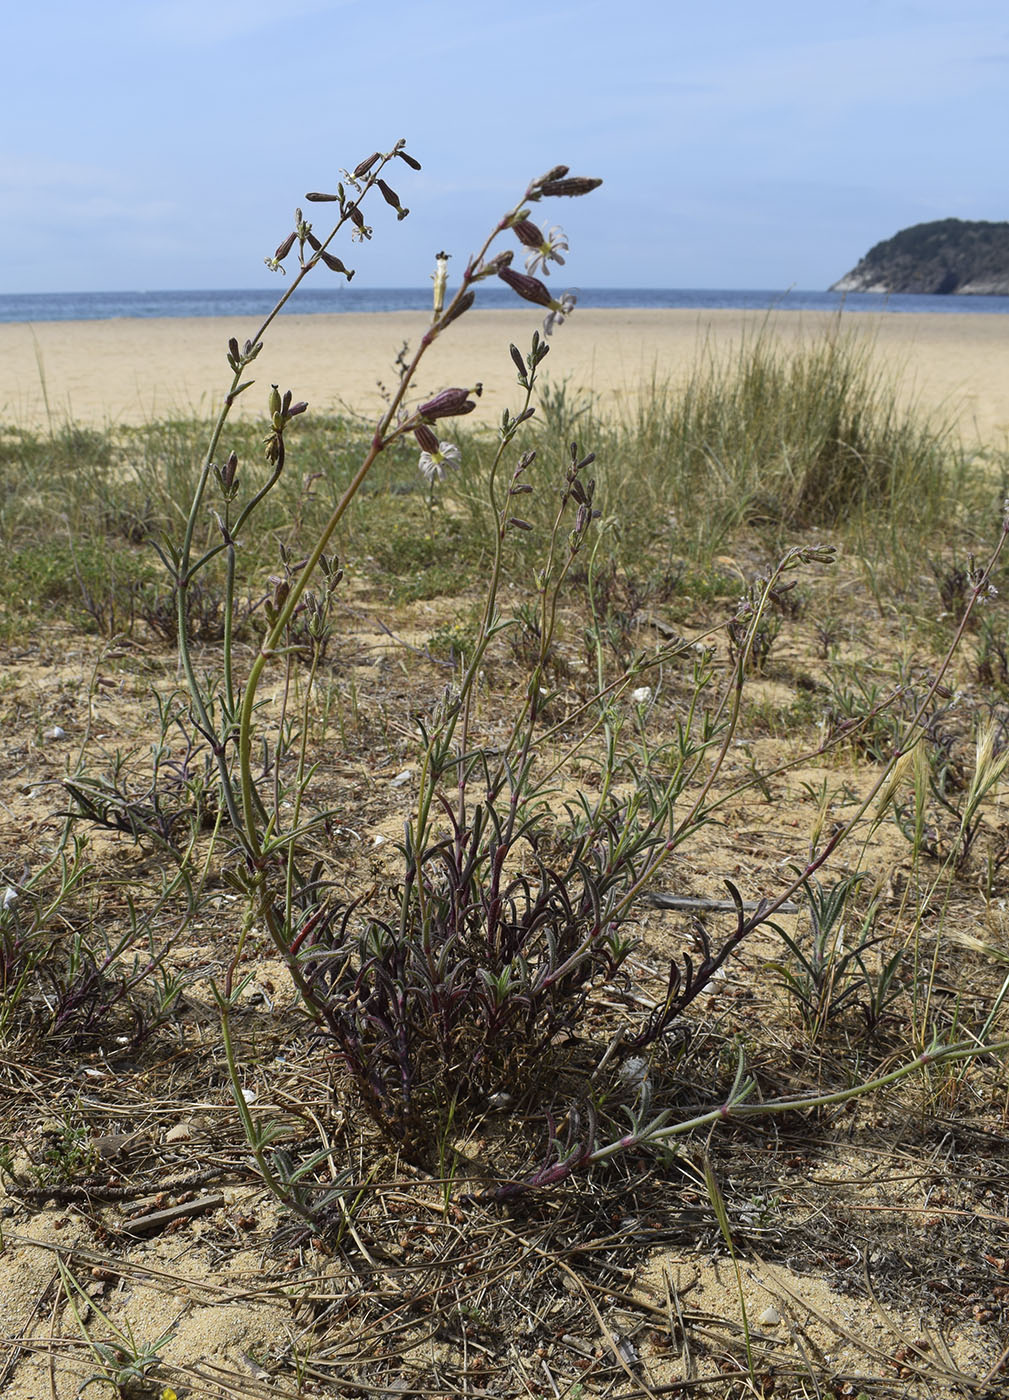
<point x="872" y="1246"/>
<point x="133" y="371"/>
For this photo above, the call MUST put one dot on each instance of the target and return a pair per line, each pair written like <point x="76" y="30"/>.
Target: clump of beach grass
<point x="771" y="439"/>
<point x="808" y="435"/>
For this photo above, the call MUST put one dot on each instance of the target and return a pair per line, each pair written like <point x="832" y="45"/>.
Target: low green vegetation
<point x="758" y="447"/>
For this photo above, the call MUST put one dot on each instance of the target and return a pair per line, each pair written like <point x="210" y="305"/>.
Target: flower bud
<point x="411" y="162"/>
<point x="335" y="265"/>
<point x="527" y="233"/>
<point x="530" y="288"/>
<point x="227" y="479"/>
<point x="391" y="197"/>
<point x="463" y="304"/>
<point x="425" y="438"/>
<point x="365" y="165"/>
<point x="494" y="266"/>
<point x="556" y="172"/>
<point x="275" y="401"/>
<point x="819" y="554"/>
<point x="316" y="198"/>
<point x="285" y="248"/>
<point x="578" y="184"/>
<point x="450" y="403"/>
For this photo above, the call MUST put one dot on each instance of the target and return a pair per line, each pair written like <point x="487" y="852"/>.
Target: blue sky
<point x="744" y="143"/>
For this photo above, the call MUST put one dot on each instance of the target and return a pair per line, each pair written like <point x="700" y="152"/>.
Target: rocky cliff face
<point x="949" y="256"/>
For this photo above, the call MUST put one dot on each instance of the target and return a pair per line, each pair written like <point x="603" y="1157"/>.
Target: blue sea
<point x="103" y="306"/>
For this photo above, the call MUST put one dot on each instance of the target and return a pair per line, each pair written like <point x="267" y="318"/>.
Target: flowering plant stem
<point x="278" y="899"/>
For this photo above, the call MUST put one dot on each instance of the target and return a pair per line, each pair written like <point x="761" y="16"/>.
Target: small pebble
<point x="401" y="778"/>
<point x="770" y="1317"/>
<point x="54" y="733"/>
<point x="182" y="1132"/>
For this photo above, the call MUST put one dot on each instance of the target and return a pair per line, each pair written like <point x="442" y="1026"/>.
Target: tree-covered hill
<point x="957" y="256"/>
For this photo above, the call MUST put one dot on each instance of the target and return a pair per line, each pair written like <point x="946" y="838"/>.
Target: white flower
<point x="433" y="464"/>
<point x="559" y="310"/>
<point x="548" y="251"/>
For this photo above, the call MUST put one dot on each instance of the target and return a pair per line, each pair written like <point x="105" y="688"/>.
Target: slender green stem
<point x="186" y="568"/>
<point x="391" y="426"/>
<point x="252" y="1134"/>
<point x="736" y="1105"/>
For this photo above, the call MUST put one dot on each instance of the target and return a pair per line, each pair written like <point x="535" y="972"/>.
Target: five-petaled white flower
<point x="548" y="251"/>
<point x="433" y="464"/>
<point x="559" y="310"/>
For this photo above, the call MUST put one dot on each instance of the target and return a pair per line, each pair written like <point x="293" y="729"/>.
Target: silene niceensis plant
<point x="461" y="988"/>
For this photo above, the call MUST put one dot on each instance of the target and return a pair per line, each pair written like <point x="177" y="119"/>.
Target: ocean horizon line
<point x="206" y="302"/>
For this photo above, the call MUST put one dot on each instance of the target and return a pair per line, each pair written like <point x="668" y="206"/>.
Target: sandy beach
<point x="133" y="371"/>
